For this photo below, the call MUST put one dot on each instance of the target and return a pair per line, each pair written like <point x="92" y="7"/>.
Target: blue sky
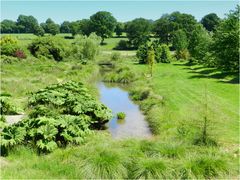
<point x="121" y="10"/>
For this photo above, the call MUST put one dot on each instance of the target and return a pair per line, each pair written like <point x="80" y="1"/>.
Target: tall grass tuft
<point x="104" y="163"/>
<point x="149" y="168"/>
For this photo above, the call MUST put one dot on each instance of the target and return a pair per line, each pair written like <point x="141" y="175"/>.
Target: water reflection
<point x="134" y="124"/>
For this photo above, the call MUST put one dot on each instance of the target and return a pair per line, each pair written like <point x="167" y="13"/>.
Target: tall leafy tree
<point x="8" y="26"/>
<point x="85" y="27"/>
<point x="65" y="27"/>
<point x="103" y="23"/>
<point x="138" y="31"/>
<point x="165" y="27"/>
<point x="200" y="43"/>
<point x="27" y="23"/>
<point x="210" y="21"/>
<point x="226" y="41"/>
<point x="180" y="40"/>
<point x="119" y="29"/>
<point x="75" y="27"/>
<point x="51" y="27"/>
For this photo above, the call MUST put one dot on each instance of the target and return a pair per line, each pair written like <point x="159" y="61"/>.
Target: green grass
<point x="173" y="102"/>
<point x="101" y="157"/>
<point x="29" y="75"/>
<point x="183" y="90"/>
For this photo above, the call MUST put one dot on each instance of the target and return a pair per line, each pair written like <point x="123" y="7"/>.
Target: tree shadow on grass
<point x="216" y="74"/>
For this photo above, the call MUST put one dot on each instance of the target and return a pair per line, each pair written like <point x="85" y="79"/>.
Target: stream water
<point x="118" y="100"/>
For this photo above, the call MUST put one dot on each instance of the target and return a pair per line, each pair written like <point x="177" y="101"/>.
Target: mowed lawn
<point x="185" y="88"/>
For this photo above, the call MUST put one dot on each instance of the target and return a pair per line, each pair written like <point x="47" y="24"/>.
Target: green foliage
<point x="9" y="45"/>
<point x="6" y="106"/>
<point x="50" y="27"/>
<point x="207" y="167"/>
<point x="26" y="24"/>
<point x="149" y="168"/>
<point x="161" y="53"/>
<point x="199" y="44"/>
<point x="10" y="137"/>
<point x="165" y="54"/>
<point x="39" y="31"/>
<point x="180" y="41"/>
<point x="119" y="29"/>
<point x="65" y="27"/>
<point x="139" y="94"/>
<point x="61" y="114"/>
<point x="166" y="26"/>
<point x="183" y="54"/>
<point x="8" y="59"/>
<point x="138" y="31"/>
<point x="116" y="56"/>
<point x="121" y="74"/>
<point x="103" y="24"/>
<point x="8" y="26"/>
<point x="142" y="54"/>
<point x="122" y="45"/>
<point x="210" y="21"/>
<point x="226" y="42"/>
<point x="49" y="47"/>
<point x="104" y="163"/>
<point x="121" y="115"/>
<point x="151" y="59"/>
<point x="85" y="48"/>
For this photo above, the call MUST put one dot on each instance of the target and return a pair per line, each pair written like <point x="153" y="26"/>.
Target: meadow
<point x="175" y="110"/>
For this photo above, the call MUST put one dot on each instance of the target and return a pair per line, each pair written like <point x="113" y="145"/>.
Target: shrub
<point x="61" y="114"/>
<point x="85" y="48"/>
<point x="120" y="75"/>
<point x="161" y="52"/>
<point x="20" y="54"/>
<point x="142" y="54"/>
<point x="122" y="45"/>
<point x="9" y="47"/>
<point x="182" y="54"/>
<point x="140" y="94"/>
<point x="165" y="54"/>
<point x="115" y="56"/>
<point x="6" y="107"/>
<point x="8" y="59"/>
<point x="121" y="115"/>
<point x="49" y="47"/>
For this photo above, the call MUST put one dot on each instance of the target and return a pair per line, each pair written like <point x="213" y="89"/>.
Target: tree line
<point x="211" y="41"/>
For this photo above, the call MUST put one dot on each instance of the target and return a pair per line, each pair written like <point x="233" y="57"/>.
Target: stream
<point x="117" y="99"/>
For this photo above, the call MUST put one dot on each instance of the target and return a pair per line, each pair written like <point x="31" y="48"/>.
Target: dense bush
<point x="85" y="48"/>
<point x="139" y="94"/>
<point x="115" y="56"/>
<point x="8" y="59"/>
<point x="6" y="106"/>
<point x="183" y="54"/>
<point x="165" y="54"/>
<point x="10" y="47"/>
<point x="61" y="114"/>
<point x="49" y="47"/>
<point x="162" y="53"/>
<point x="122" y="45"/>
<point x="121" y="74"/>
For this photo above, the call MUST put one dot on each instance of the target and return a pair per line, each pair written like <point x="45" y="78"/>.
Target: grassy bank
<point x="101" y="157"/>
